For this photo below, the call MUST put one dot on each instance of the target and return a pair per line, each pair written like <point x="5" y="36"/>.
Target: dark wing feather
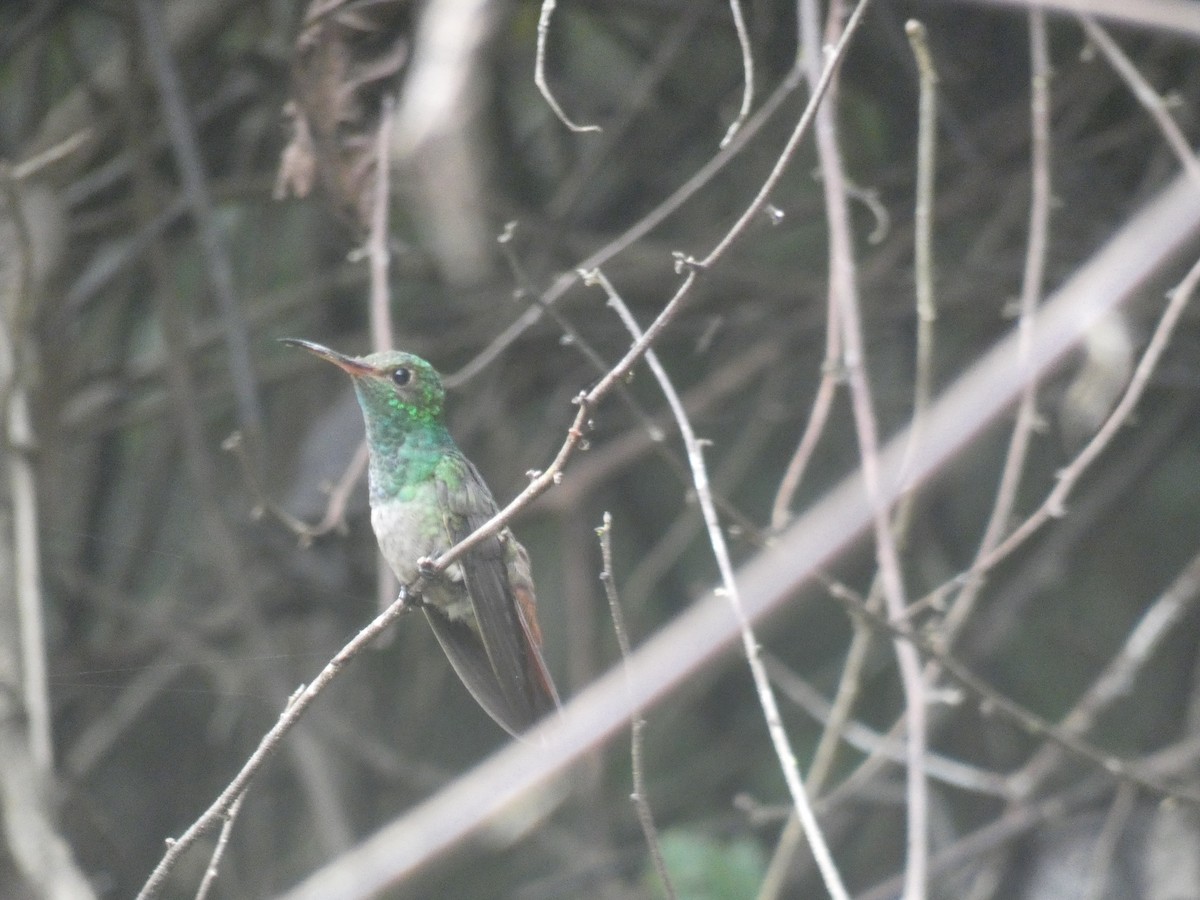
<point x="517" y="691"/>
<point x="536" y="669"/>
<point x="469" y="658"/>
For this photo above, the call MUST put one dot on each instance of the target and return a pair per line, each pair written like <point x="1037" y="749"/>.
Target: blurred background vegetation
<point x="149" y="265"/>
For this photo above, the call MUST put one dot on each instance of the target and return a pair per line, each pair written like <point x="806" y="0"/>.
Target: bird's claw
<point x="410" y="599"/>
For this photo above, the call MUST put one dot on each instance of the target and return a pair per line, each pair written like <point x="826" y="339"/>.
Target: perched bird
<point x="425" y="498"/>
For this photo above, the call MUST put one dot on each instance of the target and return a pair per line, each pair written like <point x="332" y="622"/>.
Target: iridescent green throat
<point x="406" y="444"/>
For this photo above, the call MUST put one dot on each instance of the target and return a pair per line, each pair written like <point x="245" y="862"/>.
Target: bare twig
<point x="38" y="852"/>
<point x="922" y="245"/>
<point x="16" y="377"/>
<point x="267" y="748"/>
<point x="832" y="375"/>
<point x="539" y="69"/>
<point x="1175" y="16"/>
<point x="828" y="73"/>
<point x="762" y="683"/>
<point x="856" y="655"/>
<point x="214" y="863"/>
<point x="848" y="687"/>
<point x="869" y="198"/>
<point x="378" y="252"/>
<point x="986" y="840"/>
<point x="685" y="191"/>
<point x="808" y="49"/>
<point x="818" y="417"/>
<point x="865" y="739"/>
<point x="1054" y="504"/>
<point x="40" y="856"/>
<point x="635" y="102"/>
<point x="51" y="155"/>
<point x="739" y="24"/>
<point x="1116" y="681"/>
<point x="844" y="290"/>
<point x="1031" y="290"/>
<point x="1104" y="852"/>
<point x="807" y="53"/>
<point x="998" y="833"/>
<point x="1133" y="772"/>
<point x="378" y="245"/>
<point x="221" y="545"/>
<point x="28" y="580"/>
<point x="334" y="517"/>
<point x="636" y="763"/>
<point x="1145" y="94"/>
<point x="339" y="493"/>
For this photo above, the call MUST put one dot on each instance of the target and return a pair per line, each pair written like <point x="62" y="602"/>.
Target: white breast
<point x="408" y="531"/>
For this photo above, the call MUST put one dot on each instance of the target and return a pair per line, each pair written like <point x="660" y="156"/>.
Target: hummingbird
<point x="425" y="497"/>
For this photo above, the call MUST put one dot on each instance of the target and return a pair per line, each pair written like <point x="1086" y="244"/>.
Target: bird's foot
<point x="410" y="599"/>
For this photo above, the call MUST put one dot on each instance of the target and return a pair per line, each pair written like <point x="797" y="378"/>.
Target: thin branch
<point x="539" y="69"/>
<point x="221" y="545"/>
<point x="869" y="198"/>
<point x="1055" y="503"/>
<point x="828" y="73"/>
<point x="691" y="266"/>
<point x="848" y="687"/>
<point x="818" y="417"/>
<point x="340" y="491"/>
<point x="922" y="246"/>
<point x="635" y="103"/>
<point x="655" y="217"/>
<point x="1175" y="16"/>
<point x="945" y="769"/>
<point x="636" y="763"/>
<point x="1031" y="290"/>
<point x="844" y="289"/>
<point x="753" y="650"/>
<point x="214" y="863"/>
<point x="654" y="433"/>
<point x="739" y="24"/>
<point x="378" y="244"/>
<point x="1145" y="94"/>
<point x="27" y="585"/>
<point x="1031" y="722"/>
<point x="1104" y="851"/>
<point x="16" y="376"/>
<point x="51" y="155"/>
<point x="378" y="252"/>
<point x="334" y="517"/>
<point x="1116" y="681"/>
<point x="1005" y="829"/>
<point x="860" y="644"/>
<point x="271" y="743"/>
<point x="832" y="376"/>
<point x="807" y="53"/>
<point x="38" y="852"/>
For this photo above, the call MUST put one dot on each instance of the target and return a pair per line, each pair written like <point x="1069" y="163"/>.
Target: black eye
<point x="402" y="376"/>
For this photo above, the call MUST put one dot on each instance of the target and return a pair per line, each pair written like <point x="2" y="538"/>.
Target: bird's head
<point x="394" y="388"/>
